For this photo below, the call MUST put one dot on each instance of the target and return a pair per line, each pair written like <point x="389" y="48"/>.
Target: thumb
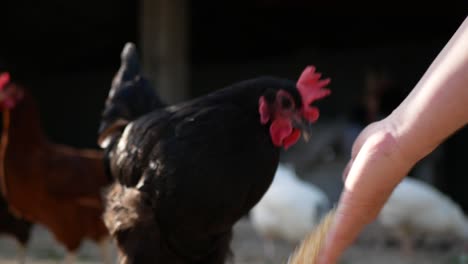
<point x="357" y="145"/>
<point x="346" y="169"/>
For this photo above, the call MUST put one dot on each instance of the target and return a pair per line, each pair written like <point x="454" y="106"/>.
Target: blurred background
<point x="66" y="52"/>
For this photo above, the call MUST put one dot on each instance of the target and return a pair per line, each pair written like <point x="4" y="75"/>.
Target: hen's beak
<point x="305" y="127"/>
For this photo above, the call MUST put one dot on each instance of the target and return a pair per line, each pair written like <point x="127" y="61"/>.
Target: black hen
<point x="186" y="173"/>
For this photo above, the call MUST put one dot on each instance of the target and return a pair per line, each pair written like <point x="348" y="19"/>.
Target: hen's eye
<point x="285" y="103"/>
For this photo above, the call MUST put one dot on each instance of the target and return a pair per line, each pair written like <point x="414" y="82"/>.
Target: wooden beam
<point x="164" y="35"/>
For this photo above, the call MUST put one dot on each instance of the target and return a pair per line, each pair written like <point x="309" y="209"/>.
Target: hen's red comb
<point x="4" y="80"/>
<point x="311" y="89"/>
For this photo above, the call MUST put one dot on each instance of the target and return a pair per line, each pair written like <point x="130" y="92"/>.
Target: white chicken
<point x="289" y="210"/>
<point x="416" y="208"/>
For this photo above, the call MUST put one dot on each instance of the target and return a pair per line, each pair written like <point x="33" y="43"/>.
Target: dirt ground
<point x="248" y="248"/>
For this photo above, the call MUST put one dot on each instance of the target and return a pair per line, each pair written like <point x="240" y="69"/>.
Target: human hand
<point x="376" y="166"/>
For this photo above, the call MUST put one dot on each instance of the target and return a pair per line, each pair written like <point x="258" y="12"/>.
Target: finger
<point x="357" y="145"/>
<point x="346" y="170"/>
<point x="341" y="235"/>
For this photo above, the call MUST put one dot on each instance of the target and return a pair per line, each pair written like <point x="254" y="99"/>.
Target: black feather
<point x="130" y="96"/>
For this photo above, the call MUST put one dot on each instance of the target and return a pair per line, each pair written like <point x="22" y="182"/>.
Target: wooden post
<point x="165" y="46"/>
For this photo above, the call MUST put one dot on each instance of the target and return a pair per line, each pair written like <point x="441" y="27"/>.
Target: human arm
<point x="386" y="150"/>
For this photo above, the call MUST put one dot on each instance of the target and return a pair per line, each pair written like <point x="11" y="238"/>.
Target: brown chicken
<point x="53" y="185"/>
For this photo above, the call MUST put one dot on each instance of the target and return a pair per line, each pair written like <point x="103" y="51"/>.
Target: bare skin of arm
<point x="386" y="150"/>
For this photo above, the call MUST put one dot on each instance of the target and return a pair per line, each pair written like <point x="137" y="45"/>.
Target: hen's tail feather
<point x="309" y="249"/>
<point x="131" y="96"/>
<point x="129" y="59"/>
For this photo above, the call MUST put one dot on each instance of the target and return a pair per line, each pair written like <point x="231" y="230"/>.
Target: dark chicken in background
<point x="15" y="226"/>
<point x="51" y="184"/>
<point x="185" y="174"/>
